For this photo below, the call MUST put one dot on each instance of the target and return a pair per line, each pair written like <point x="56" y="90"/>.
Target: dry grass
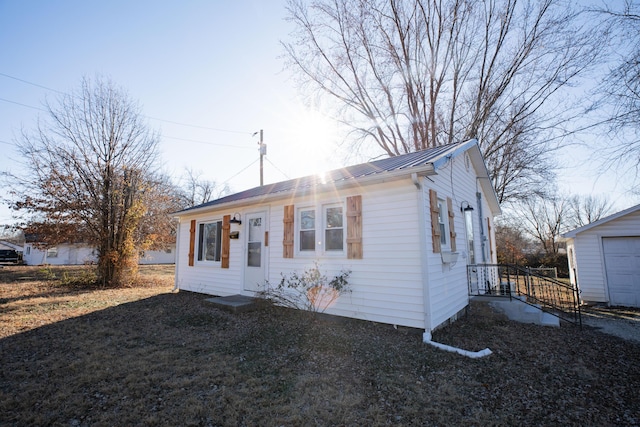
<point x="145" y="356"/>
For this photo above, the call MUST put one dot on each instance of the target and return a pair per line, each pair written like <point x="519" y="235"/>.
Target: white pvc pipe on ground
<point x="426" y="337"/>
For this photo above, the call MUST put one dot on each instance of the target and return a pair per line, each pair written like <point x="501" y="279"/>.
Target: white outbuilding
<point x="604" y="259"/>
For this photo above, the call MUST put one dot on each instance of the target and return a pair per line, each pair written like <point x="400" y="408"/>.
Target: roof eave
<point x="387" y="176"/>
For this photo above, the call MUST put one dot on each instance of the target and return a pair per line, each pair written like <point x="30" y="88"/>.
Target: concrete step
<point x="519" y="311"/>
<point x="235" y="303"/>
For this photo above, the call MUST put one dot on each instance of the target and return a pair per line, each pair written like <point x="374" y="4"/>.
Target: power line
<point x="242" y="170"/>
<point x="198" y="126"/>
<point x="31" y="83"/>
<point x="277" y="168"/>
<point x="24" y="105"/>
<point x="207" y="142"/>
<point x="148" y="117"/>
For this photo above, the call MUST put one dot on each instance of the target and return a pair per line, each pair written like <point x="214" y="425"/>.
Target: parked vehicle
<point x="9" y="255"/>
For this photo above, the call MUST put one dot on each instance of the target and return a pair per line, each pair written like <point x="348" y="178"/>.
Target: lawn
<point x="146" y="356"/>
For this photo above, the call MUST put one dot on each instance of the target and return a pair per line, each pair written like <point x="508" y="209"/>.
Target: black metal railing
<point x="551" y="295"/>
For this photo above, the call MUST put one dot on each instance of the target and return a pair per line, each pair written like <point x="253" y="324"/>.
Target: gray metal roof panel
<point x="395" y="163"/>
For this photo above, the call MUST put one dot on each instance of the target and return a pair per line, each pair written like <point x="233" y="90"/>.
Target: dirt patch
<point x="146" y="356"/>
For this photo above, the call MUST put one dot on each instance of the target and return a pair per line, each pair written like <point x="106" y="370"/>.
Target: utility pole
<point x="263" y="152"/>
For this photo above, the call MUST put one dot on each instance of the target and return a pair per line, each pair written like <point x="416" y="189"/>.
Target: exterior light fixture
<point x="236" y="219"/>
<point x="467" y="208"/>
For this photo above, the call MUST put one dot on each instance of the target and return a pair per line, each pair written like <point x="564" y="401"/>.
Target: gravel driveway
<point x="619" y="321"/>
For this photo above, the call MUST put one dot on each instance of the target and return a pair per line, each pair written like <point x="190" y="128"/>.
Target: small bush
<point x="310" y="290"/>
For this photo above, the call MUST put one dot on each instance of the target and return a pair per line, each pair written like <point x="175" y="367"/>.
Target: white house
<point x="63" y="254"/>
<point x="406" y="227"/>
<point x="81" y="253"/>
<point x="604" y="259"/>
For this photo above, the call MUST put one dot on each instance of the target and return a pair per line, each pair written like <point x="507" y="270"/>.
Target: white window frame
<point x="470" y="235"/>
<point x="326" y="228"/>
<point x="321" y="226"/>
<point x="52" y="252"/>
<point x="200" y="255"/>
<point x="443" y="224"/>
<point x="299" y="230"/>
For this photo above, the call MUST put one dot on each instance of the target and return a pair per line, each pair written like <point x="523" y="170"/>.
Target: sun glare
<point x="314" y="139"/>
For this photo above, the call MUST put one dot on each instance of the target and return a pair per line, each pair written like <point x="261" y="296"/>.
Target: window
<point x="321" y="229"/>
<point x="52" y="252"/>
<point x="333" y="229"/>
<point x="209" y="241"/>
<point x="28" y="250"/>
<point x="443" y="216"/>
<point x="468" y="220"/>
<point x="308" y="230"/>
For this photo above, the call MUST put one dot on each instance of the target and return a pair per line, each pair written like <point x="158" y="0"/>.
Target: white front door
<point x="255" y="253"/>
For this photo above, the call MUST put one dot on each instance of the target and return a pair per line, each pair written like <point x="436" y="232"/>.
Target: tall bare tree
<point x="545" y="219"/>
<point x="587" y="209"/>
<point x="197" y="190"/>
<point x="413" y="74"/>
<point x="88" y="165"/>
<point x="620" y="89"/>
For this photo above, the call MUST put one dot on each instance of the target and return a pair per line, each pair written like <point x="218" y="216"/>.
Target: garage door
<point x="622" y="263"/>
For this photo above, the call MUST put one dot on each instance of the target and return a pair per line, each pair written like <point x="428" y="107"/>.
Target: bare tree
<point x="544" y="219"/>
<point x="88" y="164"/>
<point x="620" y="89"/>
<point x="414" y="74"/>
<point x="587" y="209"/>
<point x="197" y="190"/>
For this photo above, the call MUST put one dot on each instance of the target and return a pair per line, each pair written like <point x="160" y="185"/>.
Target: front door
<point x="254" y="268"/>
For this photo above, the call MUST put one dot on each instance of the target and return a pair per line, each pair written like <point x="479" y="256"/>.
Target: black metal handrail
<point x="551" y="295"/>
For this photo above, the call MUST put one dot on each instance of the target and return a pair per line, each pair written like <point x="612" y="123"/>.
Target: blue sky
<point x="213" y="64"/>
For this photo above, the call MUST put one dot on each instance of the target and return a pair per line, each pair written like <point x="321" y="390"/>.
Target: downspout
<point x="175" y="278"/>
<point x="426" y="337"/>
<point x="423" y="255"/>
<point x="483" y="238"/>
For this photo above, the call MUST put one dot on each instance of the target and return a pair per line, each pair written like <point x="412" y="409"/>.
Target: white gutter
<point x="426" y="338"/>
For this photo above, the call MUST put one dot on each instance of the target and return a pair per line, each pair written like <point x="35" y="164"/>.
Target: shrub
<point x="311" y="290"/>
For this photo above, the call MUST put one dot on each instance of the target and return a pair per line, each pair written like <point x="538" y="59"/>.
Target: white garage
<point x="604" y="259"/>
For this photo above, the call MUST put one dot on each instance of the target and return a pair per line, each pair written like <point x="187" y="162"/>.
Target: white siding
<point x="67" y="255"/>
<point x="448" y="287"/>
<point x="208" y="279"/>
<point x="589" y="255"/>
<point x="159" y="257"/>
<point x="386" y="284"/>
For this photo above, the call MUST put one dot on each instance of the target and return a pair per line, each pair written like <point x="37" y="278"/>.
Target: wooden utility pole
<point x="263" y="152"/>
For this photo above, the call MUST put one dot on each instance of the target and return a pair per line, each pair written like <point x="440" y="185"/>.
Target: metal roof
<point x="355" y="172"/>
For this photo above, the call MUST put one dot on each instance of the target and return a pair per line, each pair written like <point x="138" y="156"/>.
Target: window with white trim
<point x="321" y="229"/>
<point x="307" y="231"/>
<point x="443" y="224"/>
<point x="209" y="241"/>
<point x="333" y="217"/>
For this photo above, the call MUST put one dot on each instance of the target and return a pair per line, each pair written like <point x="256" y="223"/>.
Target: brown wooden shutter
<point x="354" y="227"/>
<point x="226" y="239"/>
<point x="287" y="241"/>
<point x="435" y="227"/>
<point x="452" y="227"/>
<point x="192" y="242"/>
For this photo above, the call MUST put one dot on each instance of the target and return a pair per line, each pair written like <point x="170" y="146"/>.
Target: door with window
<point x="255" y="254"/>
